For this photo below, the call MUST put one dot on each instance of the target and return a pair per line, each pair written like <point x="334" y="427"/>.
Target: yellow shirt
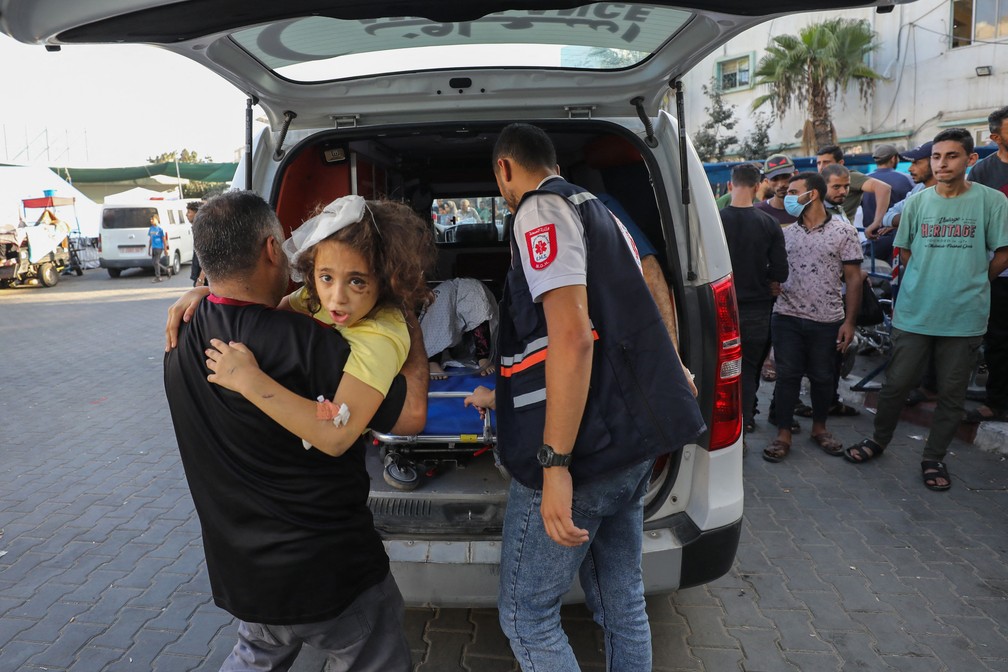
<point x="378" y="344"/>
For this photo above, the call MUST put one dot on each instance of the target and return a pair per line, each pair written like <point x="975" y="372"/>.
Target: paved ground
<point x="840" y="567"/>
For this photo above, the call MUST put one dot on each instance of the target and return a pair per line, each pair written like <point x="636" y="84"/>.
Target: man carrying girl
<point x="290" y="543"/>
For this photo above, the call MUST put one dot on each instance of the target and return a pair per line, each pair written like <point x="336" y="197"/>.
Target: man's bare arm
<point x="568" y="374"/>
<point x="999" y="263"/>
<point x="655" y="280"/>
<point x="882" y="192"/>
<point x="416" y="371"/>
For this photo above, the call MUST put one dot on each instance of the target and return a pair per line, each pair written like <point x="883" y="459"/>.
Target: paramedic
<point x="575" y="430"/>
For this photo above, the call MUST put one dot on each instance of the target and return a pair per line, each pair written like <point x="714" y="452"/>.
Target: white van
<point x="122" y="235"/>
<point x="376" y="98"/>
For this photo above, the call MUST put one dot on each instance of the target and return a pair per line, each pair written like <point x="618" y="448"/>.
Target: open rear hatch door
<point x="372" y="62"/>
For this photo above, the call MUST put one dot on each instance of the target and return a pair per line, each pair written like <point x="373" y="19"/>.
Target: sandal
<point x="776" y="451"/>
<point x="803" y="410"/>
<point x="843" y="409"/>
<point x="769" y="374"/>
<point x="829" y="445"/>
<point x="975" y="415"/>
<point x="864" y="451"/>
<point x="750" y="427"/>
<point x="932" y="470"/>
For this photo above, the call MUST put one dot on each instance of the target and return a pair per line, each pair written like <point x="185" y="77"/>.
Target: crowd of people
<point x="296" y="379"/>
<point x="799" y="284"/>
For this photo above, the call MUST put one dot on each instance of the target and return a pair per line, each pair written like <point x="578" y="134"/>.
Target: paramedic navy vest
<point x="639" y="405"/>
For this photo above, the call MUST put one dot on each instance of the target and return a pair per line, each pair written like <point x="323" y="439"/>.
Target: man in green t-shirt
<point x="859" y="185"/>
<point x="945" y="238"/>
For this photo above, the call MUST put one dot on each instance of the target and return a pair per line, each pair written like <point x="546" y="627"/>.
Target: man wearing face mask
<point x="809" y="324"/>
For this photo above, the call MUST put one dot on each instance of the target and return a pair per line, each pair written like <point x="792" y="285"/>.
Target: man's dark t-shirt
<point x="756" y="246"/>
<point x="780" y="214"/>
<point x="991" y="172"/>
<point x="287" y="532"/>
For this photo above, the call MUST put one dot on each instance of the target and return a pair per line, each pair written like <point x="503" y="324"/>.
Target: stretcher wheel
<point x="401" y="478"/>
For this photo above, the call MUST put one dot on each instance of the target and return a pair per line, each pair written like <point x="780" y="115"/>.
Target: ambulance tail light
<point x="726" y="420"/>
<point x="99" y="243"/>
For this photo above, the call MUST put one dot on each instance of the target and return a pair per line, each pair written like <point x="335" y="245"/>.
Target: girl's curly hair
<point x="399" y="246"/>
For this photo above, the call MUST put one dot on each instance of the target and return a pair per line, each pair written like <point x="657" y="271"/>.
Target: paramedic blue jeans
<point x="536" y="572"/>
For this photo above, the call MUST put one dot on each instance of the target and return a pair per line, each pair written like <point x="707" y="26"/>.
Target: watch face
<point x="548" y="458"/>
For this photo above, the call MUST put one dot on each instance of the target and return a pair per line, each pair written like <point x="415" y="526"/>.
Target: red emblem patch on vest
<point x="542" y="246"/>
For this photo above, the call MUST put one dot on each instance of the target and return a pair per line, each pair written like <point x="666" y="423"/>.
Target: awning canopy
<point x="200" y="172"/>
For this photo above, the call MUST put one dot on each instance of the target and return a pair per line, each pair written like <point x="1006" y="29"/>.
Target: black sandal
<point x="862" y="452"/>
<point x="803" y="410"/>
<point x="932" y="470"/>
<point x="776" y="451"/>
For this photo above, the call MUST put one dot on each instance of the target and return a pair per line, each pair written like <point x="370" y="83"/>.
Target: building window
<point x="736" y="73"/>
<point x="978" y="21"/>
<point x="981" y="136"/>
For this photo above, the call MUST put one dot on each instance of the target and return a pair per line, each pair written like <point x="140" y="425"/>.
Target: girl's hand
<point x="233" y="365"/>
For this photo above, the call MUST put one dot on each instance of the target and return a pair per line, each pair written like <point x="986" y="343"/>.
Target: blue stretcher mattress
<point x="449" y="416"/>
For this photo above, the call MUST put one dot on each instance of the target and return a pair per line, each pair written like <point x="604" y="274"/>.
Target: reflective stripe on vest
<point x="534" y="353"/>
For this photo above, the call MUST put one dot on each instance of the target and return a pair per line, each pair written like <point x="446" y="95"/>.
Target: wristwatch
<point x="548" y="458"/>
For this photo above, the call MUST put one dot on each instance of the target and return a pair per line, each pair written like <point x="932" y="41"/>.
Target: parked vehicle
<point x="40" y="251"/>
<point x="122" y="235"/>
<point x="406" y="100"/>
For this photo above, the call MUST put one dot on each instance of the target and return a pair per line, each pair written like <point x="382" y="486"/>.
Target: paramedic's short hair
<point x="228" y="233"/>
<point x="526" y="145"/>
<point x="745" y="175"/>
<point x="193" y="205"/>
<point x="834" y="169"/>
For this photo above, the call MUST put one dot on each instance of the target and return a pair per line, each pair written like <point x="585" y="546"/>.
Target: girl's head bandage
<point x="337" y="215"/>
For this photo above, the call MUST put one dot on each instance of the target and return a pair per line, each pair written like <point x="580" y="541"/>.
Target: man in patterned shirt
<point x="808" y="324"/>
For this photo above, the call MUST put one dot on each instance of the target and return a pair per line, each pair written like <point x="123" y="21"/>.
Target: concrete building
<point x="945" y="64"/>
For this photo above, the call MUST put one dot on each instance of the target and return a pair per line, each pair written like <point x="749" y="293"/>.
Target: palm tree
<point x="810" y="70"/>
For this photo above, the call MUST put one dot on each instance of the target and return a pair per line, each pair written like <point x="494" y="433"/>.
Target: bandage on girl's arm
<point x="299" y="415"/>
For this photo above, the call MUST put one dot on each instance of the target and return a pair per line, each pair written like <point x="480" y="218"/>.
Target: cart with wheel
<point x="38" y="253"/>
<point x="453" y="436"/>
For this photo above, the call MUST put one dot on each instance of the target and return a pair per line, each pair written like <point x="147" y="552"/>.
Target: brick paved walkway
<point x="840" y="567"/>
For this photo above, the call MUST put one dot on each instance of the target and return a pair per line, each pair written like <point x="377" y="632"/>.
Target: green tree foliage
<point x="756" y="145"/>
<point x="203" y="190"/>
<point x="715" y="137"/>
<point x="810" y="70"/>
<point x="192" y="189"/>
<point x="183" y="156"/>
